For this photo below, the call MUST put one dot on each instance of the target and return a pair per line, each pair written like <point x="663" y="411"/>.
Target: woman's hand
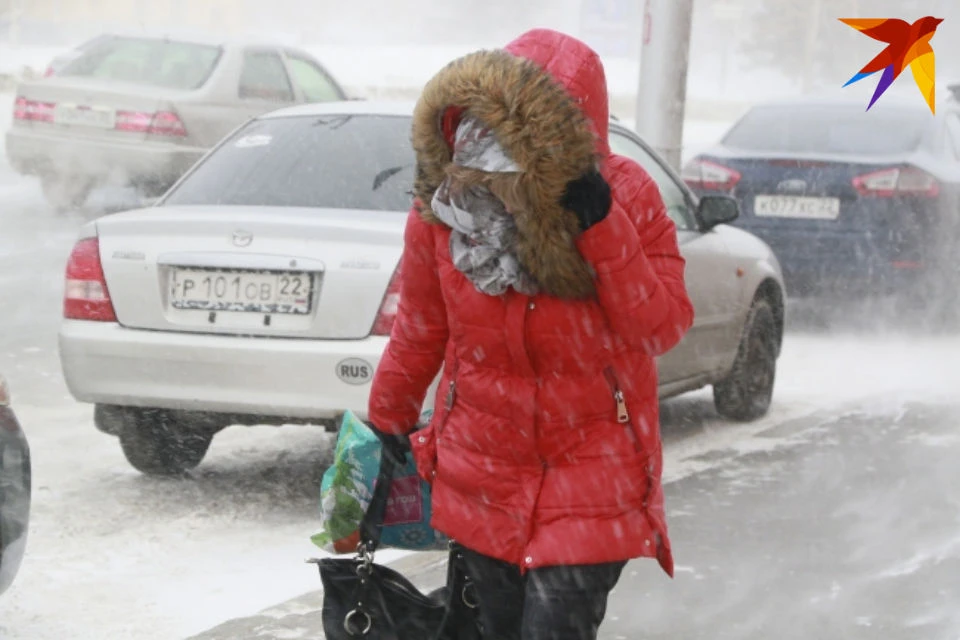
<point x="589" y="198"/>
<point x="396" y="446"/>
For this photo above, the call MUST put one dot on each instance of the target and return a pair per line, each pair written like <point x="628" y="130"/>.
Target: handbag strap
<point x="372" y="523"/>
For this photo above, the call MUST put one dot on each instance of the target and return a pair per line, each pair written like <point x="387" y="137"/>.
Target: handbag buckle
<point x="364" y="557"/>
<point x="470" y="601"/>
<point x="361" y="629"/>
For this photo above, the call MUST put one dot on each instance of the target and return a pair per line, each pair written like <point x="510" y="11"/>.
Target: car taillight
<point x="388" y="308"/>
<point x="161" y="123"/>
<point x="49" y="72"/>
<point x="897" y="181"/>
<point x="85" y="295"/>
<point x="710" y="176"/>
<point x="32" y="110"/>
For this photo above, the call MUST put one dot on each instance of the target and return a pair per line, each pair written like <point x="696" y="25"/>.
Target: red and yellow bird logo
<point x="907" y="44"/>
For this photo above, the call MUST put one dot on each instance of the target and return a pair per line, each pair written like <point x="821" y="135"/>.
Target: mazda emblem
<point x="242" y="238"/>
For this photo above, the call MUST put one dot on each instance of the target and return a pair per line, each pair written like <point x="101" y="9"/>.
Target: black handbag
<point x="363" y="599"/>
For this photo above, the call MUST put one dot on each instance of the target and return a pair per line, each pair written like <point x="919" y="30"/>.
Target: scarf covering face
<point x="484" y="234"/>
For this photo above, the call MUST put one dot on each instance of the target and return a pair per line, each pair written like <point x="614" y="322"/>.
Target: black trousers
<point x="550" y="603"/>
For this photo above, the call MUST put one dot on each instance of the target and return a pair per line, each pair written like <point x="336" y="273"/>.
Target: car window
<point x="953" y="133"/>
<point x="839" y="129"/>
<point x="332" y="161"/>
<point x="264" y="77"/>
<point x="315" y="84"/>
<point x="162" y="63"/>
<point x="673" y="195"/>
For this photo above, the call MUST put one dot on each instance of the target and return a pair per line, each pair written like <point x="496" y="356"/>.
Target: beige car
<point x="141" y="111"/>
<point x="260" y="289"/>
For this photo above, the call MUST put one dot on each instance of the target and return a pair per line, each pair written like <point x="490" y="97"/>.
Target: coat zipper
<point x="623" y="417"/>
<point x="623" y="414"/>
<point x="451" y="397"/>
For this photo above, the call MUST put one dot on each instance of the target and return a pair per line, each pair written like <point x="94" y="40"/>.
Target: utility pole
<point x="810" y="44"/>
<point x="662" y="92"/>
<point x="16" y="15"/>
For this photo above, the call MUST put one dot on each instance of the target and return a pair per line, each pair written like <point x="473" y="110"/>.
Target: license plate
<point x="812" y="208"/>
<point x="244" y="291"/>
<point x="74" y="115"/>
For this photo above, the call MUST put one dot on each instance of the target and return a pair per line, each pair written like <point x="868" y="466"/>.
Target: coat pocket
<point x="424" y="442"/>
<point x="424" y="447"/>
<point x="623" y="412"/>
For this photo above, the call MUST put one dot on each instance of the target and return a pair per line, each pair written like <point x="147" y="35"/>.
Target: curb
<point x="302" y="616"/>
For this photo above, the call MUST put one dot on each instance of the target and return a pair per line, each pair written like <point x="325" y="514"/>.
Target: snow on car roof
<point x="197" y="37"/>
<point x="347" y="107"/>
<point x="897" y="97"/>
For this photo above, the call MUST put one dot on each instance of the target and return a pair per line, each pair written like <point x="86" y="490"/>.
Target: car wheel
<point x="746" y="392"/>
<point x="65" y="193"/>
<point x="157" y="444"/>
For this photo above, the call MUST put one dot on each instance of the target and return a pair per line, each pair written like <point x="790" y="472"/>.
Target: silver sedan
<point x="141" y="111"/>
<point x="261" y="288"/>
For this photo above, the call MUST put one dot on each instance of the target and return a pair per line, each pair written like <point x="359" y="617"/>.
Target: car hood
<point x="744" y="244"/>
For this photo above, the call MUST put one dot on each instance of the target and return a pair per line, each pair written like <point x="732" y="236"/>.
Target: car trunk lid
<point x="262" y="271"/>
<point x="806" y="192"/>
<point x="95" y="108"/>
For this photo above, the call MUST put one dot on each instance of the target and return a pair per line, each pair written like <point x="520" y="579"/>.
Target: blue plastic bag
<point x="346" y="489"/>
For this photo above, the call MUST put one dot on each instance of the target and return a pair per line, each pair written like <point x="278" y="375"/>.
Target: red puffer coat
<point x="545" y="445"/>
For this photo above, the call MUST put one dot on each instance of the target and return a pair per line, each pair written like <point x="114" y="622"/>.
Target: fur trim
<point x="545" y="132"/>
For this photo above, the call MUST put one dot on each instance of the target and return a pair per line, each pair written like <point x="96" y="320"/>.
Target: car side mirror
<point x="714" y="210"/>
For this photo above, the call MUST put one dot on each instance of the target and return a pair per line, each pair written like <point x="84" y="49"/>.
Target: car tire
<point x="746" y="392"/>
<point x="157" y="444"/>
<point x="65" y="193"/>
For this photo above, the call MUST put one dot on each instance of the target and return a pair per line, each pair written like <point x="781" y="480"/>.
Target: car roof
<point x="834" y="100"/>
<point x="197" y="37"/>
<point x="360" y="107"/>
<point x="346" y="107"/>
<point x="903" y="99"/>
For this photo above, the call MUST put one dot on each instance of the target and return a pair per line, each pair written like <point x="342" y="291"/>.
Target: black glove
<point x="589" y="198"/>
<point x="397" y="447"/>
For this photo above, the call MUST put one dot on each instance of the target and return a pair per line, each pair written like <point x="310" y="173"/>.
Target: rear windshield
<point x="829" y="129"/>
<point x="161" y="63"/>
<point x="335" y="161"/>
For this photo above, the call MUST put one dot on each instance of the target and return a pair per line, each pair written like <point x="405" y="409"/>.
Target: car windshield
<point x="331" y="161"/>
<point x="161" y="63"/>
<point x="829" y="129"/>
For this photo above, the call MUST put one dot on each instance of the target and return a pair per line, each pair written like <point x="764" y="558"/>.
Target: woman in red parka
<point x="541" y="272"/>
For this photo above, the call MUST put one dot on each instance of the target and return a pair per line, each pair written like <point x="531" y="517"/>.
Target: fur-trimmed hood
<point x="545" y="99"/>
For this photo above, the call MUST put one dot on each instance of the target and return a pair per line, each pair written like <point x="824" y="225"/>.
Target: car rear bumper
<point x="41" y="153"/>
<point x="106" y="363"/>
<point x="848" y="263"/>
<point x="14" y="497"/>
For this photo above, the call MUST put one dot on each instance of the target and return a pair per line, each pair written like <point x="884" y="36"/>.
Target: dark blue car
<point x="852" y="202"/>
<point x="15" y="477"/>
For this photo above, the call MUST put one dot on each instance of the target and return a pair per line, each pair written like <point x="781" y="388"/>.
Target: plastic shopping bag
<point x="346" y="489"/>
